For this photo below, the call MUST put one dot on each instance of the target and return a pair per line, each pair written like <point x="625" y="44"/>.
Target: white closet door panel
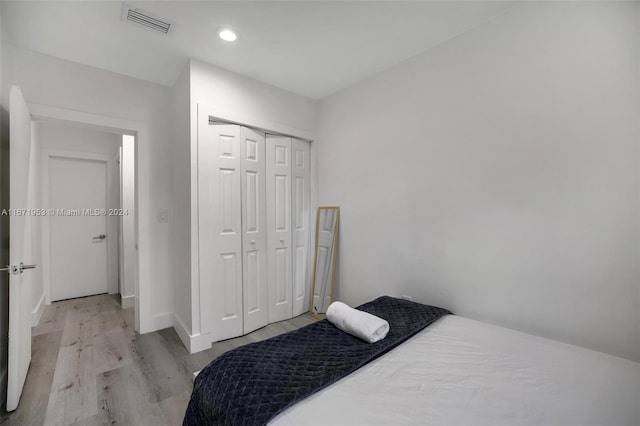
<point x="300" y="195"/>
<point x="254" y="230"/>
<point x="220" y="224"/>
<point x="281" y="274"/>
<point x="279" y="234"/>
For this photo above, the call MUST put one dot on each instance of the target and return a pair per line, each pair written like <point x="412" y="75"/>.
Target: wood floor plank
<point x="283" y="327"/>
<point x="302" y="320"/>
<point x="52" y="320"/>
<point x="173" y="408"/>
<point x="89" y="367"/>
<point x="128" y="321"/>
<point x="262" y="334"/>
<point x="35" y="395"/>
<point x="189" y="363"/>
<point x="73" y="390"/>
<point x="107" y="321"/>
<point x="123" y="398"/>
<point x="111" y="351"/>
<point x="91" y="421"/>
<point x="219" y="348"/>
<point x="158" y="367"/>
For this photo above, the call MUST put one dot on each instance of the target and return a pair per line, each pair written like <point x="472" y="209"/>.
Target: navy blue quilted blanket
<point x="252" y="384"/>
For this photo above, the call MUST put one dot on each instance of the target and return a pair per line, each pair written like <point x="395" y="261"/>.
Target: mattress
<point x="464" y="372"/>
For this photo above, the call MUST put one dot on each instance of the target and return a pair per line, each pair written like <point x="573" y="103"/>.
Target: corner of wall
<point x="162" y="321"/>
<point x="193" y="342"/>
<point x="184" y="332"/>
<point x="180" y="193"/>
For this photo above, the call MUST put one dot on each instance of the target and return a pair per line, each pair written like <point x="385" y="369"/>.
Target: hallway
<point x="90" y="368"/>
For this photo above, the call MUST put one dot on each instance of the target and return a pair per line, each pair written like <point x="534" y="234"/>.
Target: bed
<point x="457" y="371"/>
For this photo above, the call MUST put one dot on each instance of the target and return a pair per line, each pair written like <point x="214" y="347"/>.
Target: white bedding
<point x="464" y="372"/>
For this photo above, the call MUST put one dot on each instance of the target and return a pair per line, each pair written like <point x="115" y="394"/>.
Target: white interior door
<point x="220" y="228"/>
<point x="19" y="248"/>
<point x="279" y="227"/>
<point x="300" y="194"/>
<point x="254" y="230"/>
<point x="78" y="232"/>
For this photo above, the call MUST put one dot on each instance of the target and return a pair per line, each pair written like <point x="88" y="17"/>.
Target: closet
<point x="254" y="233"/>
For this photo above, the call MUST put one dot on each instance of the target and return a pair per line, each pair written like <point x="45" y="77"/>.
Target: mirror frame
<point x="333" y="258"/>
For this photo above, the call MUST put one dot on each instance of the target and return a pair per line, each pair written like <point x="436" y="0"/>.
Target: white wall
<point x="497" y="175"/>
<point x="180" y="181"/>
<point x="239" y="98"/>
<point x="127" y="290"/>
<point x="59" y="136"/>
<point x="63" y="84"/>
<point x="234" y="98"/>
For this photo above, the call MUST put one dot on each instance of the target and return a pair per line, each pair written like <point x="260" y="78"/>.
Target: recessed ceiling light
<point x="227" y="35"/>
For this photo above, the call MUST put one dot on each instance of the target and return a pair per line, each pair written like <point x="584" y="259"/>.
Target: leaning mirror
<point x="324" y="263"/>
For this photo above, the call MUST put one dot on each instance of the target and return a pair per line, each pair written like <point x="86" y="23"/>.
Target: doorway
<point x="82" y="177"/>
<point x="26" y="136"/>
<point x="143" y="300"/>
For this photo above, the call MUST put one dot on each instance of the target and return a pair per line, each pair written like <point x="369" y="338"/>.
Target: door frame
<point x="111" y="229"/>
<point x="144" y="321"/>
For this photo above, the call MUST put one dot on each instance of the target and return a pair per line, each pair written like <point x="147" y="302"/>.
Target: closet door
<point x="279" y="227"/>
<point x="300" y="194"/>
<point x="220" y="224"/>
<point x="254" y="230"/>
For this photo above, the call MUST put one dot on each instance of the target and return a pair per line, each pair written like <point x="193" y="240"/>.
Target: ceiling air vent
<point x="145" y="19"/>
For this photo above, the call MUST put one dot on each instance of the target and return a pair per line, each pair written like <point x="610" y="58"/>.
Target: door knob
<point x="253" y="242"/>
<point x="100" y="237"/>
<point x="282" y="240"/>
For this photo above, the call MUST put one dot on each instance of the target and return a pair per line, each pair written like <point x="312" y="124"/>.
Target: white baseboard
<point x="193" y="343"/>
<point x="36" y="314"/>
<point x="182" y="331"/>
<point x="3" y="388"/>
<point x="161" y="321"/>
<point x="128" y="302"/>
<point x="200" y="342"/>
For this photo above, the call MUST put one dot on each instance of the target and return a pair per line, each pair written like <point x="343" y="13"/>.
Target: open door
<point x="19" y="247"/>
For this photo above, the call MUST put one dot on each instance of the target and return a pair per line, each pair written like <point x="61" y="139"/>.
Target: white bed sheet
<point x="464" y="372"/>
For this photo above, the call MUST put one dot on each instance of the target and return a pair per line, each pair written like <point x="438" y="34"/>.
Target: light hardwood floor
<point x="90" y="368"/>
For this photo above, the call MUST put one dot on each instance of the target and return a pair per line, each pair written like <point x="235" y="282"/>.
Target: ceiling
<point x="312" y="48"/>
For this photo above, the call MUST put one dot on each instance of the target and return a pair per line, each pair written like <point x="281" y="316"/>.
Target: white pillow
<point x="363" y="325"/>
